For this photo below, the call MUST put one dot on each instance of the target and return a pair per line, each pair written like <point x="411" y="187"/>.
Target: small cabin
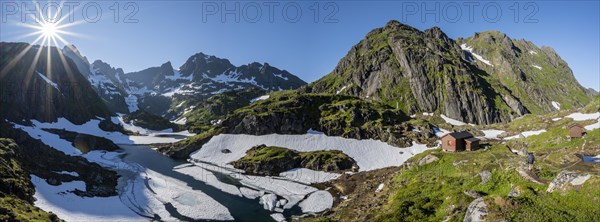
<point x="459" y="141"/>
<point x="576" y="131"/>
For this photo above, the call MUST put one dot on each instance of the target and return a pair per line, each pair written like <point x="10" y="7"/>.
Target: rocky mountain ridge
<point x="160" y="89"/>
<point x="484" y="79"/>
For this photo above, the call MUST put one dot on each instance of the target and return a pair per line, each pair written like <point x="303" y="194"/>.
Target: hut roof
<point x="459" y="135"/>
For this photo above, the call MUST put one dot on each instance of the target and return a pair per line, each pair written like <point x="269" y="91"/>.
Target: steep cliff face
<point x="536" y="76"/>
<point x="42" y="85"/>
<point x="426" y="71"/>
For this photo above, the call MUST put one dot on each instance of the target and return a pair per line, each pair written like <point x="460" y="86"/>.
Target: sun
<point x="49" y="30"/>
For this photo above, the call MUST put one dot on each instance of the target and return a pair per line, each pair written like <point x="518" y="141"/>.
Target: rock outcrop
<point x="267" y="160"/>
<point x="476" y="211"/>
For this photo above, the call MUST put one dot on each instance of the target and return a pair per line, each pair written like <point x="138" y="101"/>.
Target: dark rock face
<point x="425" y="71"/>
<point x="264" y="160"/>
<point x="32" y="91"/>
<point x="149" y="121"/>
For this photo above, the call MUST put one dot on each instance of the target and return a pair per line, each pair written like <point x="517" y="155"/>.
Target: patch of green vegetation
<point x="16" y="191"/>
<point x="272" y="160"/>
<point x="218" y="106"/>
<point x="594" y="105"/>
<point x="435" y="191"/>
<point x="14" y="209"/>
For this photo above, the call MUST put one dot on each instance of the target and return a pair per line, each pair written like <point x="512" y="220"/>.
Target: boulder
<point x="485" y="176"/>
<point x="564" y="178"/>
<point x="476" y="211"/>
<point x="428" y="159"/>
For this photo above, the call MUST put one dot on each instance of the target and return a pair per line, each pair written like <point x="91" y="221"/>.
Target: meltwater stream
<point x="241" y="208"/>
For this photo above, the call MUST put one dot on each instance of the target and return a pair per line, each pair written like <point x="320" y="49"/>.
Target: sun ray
<point x="50" y="29"/>
<point x="19" y="56"/>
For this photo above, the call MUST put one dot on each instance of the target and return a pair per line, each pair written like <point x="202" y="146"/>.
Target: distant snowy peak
<point x="214" y="70"/>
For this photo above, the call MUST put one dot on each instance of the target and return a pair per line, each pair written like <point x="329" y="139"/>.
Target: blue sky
<point x="174" y="30"/>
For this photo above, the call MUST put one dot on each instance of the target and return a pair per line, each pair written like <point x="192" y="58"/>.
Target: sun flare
<point x="49" y="29"/>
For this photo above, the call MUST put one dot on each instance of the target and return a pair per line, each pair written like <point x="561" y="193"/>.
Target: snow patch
<point x="532" y="52"/>
<point x="492" y="134"/>
<point x="341" y="90"/>
<point x="281" y="76"/>
<point x="53" y="84"/>
<point x="316" y="202"/>
<point x="304" y="175"/>
<point x="71" y="207"/>
<point x="379" y="188"/>
<point x="537" y="67"/>
<point x="263" y="97"/>
<point x="556" y="105"/>
<point x="593" y="126"/>
<point x="584" y="116"/>
<point x="439" y="132"/>
<point x="75" y="174"/>
<point x="525" y="134"/>
<point x="278" y="217"/>
<point x="132" y="103"/>
<point x="452" y="121"/>
<point x="470" y="50"/>
<point x="369" y="154"/>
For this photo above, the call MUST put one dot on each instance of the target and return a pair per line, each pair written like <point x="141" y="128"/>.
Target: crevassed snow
<point x="537" y="67"/>
<point x="71" y="207"/>
<point x="525" y="134"/>
<point x="556" y="105"/>
<point x="452" y="121"/>
<point x="470" y="50"/>
<point x="53" y="84"/>
<point x="132" y="103"/>
<point x="204" y="172"/>
<point x="492" y="134"/>
<point x="316" y="202"/>
<point x="304" y="175"/>
<point x="146" y="192"/>
<point x="91" y="128"/>
<point x="263" y="97"/>
<point x="583" y="116"/>
<point x="369" y="154"/>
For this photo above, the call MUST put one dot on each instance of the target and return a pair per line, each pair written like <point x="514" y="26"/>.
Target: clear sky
<point x="310" y="43"/>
